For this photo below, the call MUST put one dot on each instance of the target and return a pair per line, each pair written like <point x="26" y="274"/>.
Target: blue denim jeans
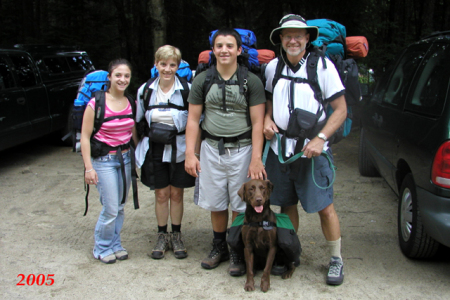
<point x="110" y="188"/>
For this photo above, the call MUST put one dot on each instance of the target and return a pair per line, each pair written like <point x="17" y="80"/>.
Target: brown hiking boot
<point x="162" y="245"/>
<point x="218" y="254"/>
<point x="237" y="264"/>
<point x="178" y="246"/>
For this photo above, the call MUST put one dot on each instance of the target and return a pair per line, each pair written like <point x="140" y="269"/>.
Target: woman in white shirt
<point x="162" y="162"/>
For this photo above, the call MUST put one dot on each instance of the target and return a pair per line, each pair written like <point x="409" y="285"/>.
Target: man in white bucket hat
<point x="289" y="92"/>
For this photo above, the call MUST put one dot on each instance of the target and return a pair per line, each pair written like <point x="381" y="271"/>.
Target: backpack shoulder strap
<point x="278" y="70"/>
<point x="148" y="92"/>
<point x="99" y="110"/>
<point x="211" y="73"/>
<point x="133" y="105"/>
<point x="184" y="91"/>
<point x="243" y="89"/>
<point x="311" y="70"/>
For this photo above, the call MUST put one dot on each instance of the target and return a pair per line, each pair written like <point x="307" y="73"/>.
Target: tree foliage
<point x="134" y="29"/>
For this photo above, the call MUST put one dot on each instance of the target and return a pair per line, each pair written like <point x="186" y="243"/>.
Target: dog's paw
<point x="249" y="287"/>
<point x="287" y="274"/>
<point x="265" y="285"/>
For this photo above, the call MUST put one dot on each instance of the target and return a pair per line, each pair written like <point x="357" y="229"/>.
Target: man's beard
<point x="294" y="53"/>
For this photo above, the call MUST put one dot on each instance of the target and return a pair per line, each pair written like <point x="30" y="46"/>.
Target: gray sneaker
<point x="179" y="250"/>
<point x="336" y="271"/>
<point x="162" y="245"/>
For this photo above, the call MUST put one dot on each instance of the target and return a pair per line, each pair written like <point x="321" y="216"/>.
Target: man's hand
<point x="313" y="148"/>
<point x="256" y="170"/>
<point x="192" y="165"/>
<point x="269" y="128"/>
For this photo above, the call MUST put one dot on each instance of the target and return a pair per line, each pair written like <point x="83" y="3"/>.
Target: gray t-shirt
<point x="233" y="121"/>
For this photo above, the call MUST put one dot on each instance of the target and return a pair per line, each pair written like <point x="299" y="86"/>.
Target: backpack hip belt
<point x="223" y="140"/>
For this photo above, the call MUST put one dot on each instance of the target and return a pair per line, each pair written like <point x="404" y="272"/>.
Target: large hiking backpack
<point x="92" y="82"/>
<point x="332" y="42"/>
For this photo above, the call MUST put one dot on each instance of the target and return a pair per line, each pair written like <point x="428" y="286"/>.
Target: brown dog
<point x="259" y="232"/>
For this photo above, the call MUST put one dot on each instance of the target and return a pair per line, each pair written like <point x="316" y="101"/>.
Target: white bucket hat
<point x="293" y="21"/>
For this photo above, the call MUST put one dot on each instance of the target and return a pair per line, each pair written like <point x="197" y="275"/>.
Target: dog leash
<point x="295" y="157"/>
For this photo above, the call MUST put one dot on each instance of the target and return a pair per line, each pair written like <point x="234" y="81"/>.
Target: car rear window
<point x="65" y="65"/>
<point x="401" y="77"/>
<point x="432" y="81"/>
<point x="79" y="63"/>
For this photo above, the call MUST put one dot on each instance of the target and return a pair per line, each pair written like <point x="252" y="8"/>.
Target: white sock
<point x="335" y="248"/>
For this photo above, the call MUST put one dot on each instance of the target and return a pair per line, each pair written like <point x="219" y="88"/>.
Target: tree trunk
<point x="427" y="16"/>
<point x="158" y="14"/>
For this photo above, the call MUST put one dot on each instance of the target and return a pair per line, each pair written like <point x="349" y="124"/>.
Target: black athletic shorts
<point x="162" y="170"/>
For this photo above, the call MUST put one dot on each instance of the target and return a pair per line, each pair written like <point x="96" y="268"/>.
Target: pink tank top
<point x="115" y="132"/>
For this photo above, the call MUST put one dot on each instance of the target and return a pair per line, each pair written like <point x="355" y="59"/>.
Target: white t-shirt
<point x="330" y="85"/>
<point x="163" y="115"/>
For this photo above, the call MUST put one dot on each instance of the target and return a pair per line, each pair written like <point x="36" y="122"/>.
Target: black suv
<point x="38" y="85"/>
<point x="405" y="138"/>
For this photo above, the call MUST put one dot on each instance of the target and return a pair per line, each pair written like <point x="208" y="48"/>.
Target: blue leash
<point x="295" y="157"/>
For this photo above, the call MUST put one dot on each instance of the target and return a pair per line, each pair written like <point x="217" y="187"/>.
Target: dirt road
<point x="43" y="231"/>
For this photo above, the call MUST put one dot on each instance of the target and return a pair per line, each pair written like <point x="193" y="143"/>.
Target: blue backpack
<point x="248" y="46"/>
<point x="248" y="57"/>
<point x="93" y="82"/>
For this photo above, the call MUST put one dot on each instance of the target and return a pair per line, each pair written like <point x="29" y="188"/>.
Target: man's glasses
<point x="298" y="38"/>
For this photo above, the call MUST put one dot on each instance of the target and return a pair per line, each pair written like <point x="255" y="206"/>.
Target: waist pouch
<point x="101" y="149"/>
<point x="162" y="133"/>
<point x="302" y="124"/>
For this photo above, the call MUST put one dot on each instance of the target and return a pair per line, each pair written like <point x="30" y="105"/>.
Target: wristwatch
<point x="322" y="136"/>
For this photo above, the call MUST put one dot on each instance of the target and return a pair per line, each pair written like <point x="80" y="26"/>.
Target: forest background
<point x="134" y="29"/>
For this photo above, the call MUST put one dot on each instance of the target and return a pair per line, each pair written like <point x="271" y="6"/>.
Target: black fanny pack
<point x="162" y="133"/>
<point x="302" y="124"/>
<point x="101" y="149"/>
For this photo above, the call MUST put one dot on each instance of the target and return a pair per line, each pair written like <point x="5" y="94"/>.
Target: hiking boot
<point x="278" y="270"/>
<point x="178" y="246"/>
<point x="162" y="245"/>
<point x="336" y="271"/>
<point x="218" y="254"/>
<point x="121" y="254"/>
<point x="237" y="263"/>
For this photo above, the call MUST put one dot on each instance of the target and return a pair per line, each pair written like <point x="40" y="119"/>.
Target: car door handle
<point x="21" y="100"/>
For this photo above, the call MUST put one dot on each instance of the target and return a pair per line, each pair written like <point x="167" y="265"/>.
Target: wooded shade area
<point x="134" y="29"/>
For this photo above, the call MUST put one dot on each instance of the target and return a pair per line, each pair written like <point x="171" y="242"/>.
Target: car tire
<point x="365" y="163"/>
<point x="414" y="241"/>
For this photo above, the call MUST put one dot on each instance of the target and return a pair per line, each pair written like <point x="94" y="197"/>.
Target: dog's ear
<point x="241" y="192"/>
<point x="269" y="186"/>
